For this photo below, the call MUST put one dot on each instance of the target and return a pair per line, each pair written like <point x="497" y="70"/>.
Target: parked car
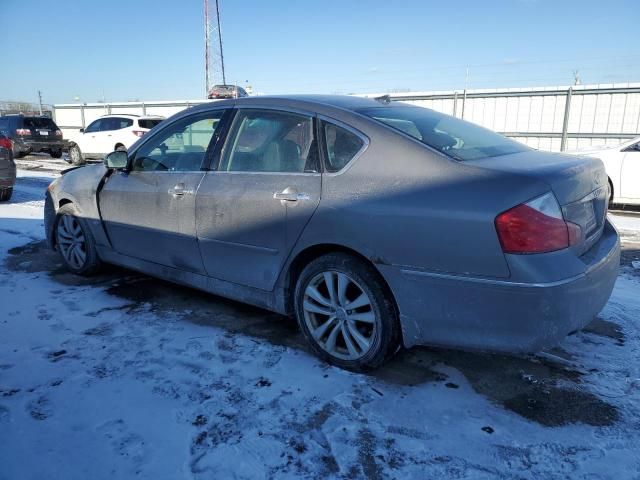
<point x="108" y="133"/>
<point x="227" y="91"/>
<point x="7" y="168"/>
<point x="376" y="225"/>
<point x="622" y="163"/>
<point x="31" y="134"/>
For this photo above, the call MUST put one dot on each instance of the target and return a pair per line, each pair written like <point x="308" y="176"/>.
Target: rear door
<point x="149" y="212"/>
<point x="630" y="173"/>
<point x="251" y="210"/>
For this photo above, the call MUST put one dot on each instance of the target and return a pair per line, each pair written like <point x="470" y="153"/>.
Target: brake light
<point x="23" y="131"/>
<point x="139" y="133"/>
<point x="58" y="133"/>
<point x="6" y="143"/>
<point x="536" y="227"/>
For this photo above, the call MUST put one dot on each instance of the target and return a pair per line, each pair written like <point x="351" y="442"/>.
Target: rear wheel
<point x="75" y="243"/>
<point x="5" y="194"/>
<point x="345" y="313"/>
<point x="56" y="153"/>
<point x="75" y="155"/>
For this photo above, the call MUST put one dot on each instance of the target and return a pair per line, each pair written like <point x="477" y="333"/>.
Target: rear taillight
<point x="6" y="143"/>
<point x="58" y="133"/>
<point x="536" y="227"/>
<point x="23" y="131"/>
<point x="139" y="133"/>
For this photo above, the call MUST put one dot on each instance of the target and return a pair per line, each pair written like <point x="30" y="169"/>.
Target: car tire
<point x="74" y="242"/>
<point x="5" y="194"/>
<point x="75" y="156"/>
<point x="56" y="153"/>
<point x="356" y="327"/>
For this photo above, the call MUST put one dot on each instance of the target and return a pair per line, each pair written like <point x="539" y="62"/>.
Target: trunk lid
<point x="580" y="184"/>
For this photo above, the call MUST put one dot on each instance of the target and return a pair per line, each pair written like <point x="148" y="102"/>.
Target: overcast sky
<point x="154" y="49"/>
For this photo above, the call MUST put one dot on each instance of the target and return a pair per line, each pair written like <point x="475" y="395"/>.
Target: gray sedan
<point x="378" y="225"/>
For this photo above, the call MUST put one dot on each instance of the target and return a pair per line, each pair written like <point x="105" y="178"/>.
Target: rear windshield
<point x="39" y="122"/>
<point x="457" y="138"/>
<point x="148" y="123"/>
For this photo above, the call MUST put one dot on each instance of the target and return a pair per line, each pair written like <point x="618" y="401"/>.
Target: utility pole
<point x="212" y="56"/>
<point x="40" y="100"/>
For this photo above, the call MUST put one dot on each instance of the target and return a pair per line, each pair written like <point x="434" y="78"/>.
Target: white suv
<point x="108" y="133"/>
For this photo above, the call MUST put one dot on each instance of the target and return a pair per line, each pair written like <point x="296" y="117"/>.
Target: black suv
<point x="32" y="134"/>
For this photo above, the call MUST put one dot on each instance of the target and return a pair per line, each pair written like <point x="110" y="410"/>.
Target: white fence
<point x="547" y="118"/>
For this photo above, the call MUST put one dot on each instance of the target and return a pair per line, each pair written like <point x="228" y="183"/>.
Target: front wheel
<point x="75" y="243"/>
<point x="75" y="155"/>
<point x="345" y="313"/>
<point x="5" y="194"/>
<point x="56" y="153"/>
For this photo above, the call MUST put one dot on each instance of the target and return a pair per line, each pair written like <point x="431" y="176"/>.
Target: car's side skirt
<point x="274" y="301"/>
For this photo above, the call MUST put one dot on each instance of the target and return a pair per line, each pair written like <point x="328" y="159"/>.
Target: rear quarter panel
<point x="402" y="204"/>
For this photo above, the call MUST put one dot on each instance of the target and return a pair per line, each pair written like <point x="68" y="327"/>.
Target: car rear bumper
<point x="27" y="146"/>
<point x="485" y="314"/>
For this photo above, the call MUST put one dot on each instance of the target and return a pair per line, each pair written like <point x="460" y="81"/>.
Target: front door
<point x="251" y="210"/>
<point x="630" y="173"/>
<point x="149" y="212"/>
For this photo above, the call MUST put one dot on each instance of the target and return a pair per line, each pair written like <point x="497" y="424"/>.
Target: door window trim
<point x="213" y="142"/>
<point x="222" y="146"/>
<point x="323" y="119"/>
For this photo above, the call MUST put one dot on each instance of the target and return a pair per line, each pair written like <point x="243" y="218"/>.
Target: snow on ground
<point x="123" y="376"/>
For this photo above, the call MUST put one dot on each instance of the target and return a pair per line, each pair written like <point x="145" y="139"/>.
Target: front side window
<point x="180" y="147"/>
<point x="456" y="138"/>
<point x="94" y="126"/>
<point x="270" y="141"/>
<point x="341" y="145"/>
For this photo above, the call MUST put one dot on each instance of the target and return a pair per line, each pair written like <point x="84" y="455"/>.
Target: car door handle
<point x="290" y="195"/>
<point x="179" y="190"/>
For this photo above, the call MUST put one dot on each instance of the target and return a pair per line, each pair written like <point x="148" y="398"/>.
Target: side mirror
<point x="116" y="160"/>
<point x="82" y="130"/>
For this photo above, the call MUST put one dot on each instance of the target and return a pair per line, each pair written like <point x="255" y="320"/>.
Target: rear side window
<point x="341" y="146"/>
<point x="271" y="141"/>
<point x="38" y="122"/>
<point x="115" y="123"/>
<point x="148" y="123"/>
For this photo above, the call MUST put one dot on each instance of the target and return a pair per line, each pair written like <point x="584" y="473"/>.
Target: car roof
<point x="132" y="116"/>
<point x="342" y="102"/>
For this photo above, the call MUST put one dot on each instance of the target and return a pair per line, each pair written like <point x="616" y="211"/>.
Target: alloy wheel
<point x="71" y="241"/>
<point x="339" y="315"/>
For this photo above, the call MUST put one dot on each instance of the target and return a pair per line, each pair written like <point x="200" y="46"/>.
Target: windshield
<point x="457" y="138"/>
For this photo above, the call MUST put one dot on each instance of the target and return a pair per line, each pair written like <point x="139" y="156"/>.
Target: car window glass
<point x="117" y="123"/>
<point x="180" y="147"/>
<point x="452" y="136"/>
<point x="342" y="145"/>
<point x="271" y="141"/>
<point x="93" y="126"/>
<point x="148" y="122"/>
<point x="37" y="122"/>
